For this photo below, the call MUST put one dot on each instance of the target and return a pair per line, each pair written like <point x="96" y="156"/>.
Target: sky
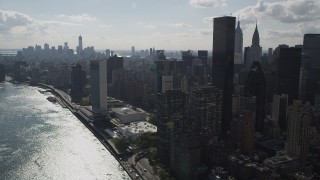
<point x="163" y="24"/>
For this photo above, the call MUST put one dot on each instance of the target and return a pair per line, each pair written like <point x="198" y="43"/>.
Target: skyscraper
<point x="133" y="51"/>
<point x="222" y="64"/>
<point x="171" y="109"/>
<point x="78" y="82"/>
<point x="107" y="53"/>
<point x="98" y="80"/>
<point x="255" y="85"/>
<point x="113" y="63"/>
<point x="299" y="117"/>
<point x="310" y="67"/>
<point x="80" y="43"/>
<point x="205" y="118"/>
<point x="203" y="55"/>
<point x="255" y="50"/>
<point x="279" y="111"/>
<point x="169" y="74"/>
<point x="238" y="45"/>
<point x="287" y="62"/>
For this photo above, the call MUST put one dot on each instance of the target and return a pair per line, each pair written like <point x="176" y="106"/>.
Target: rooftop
<point x="139" y="127"/>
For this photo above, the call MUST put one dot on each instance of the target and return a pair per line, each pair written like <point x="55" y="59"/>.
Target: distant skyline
<point x="165" y="24"/>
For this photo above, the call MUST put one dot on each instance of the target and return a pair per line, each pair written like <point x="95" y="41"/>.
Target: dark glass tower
<point x="222" y="64"/>
<point x="287" y="63"/>
<point x="78" y="82"/>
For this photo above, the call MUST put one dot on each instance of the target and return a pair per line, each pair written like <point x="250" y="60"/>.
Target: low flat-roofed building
<point x="282" y="164"/>
<point x="135" y="129"/>
<point x="128" y="115"/>
<point x="86" y="112"/>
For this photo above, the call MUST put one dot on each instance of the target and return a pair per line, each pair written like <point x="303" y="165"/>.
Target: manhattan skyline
<point x="169" y="25"/>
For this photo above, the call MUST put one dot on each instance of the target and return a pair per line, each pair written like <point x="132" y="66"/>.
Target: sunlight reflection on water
<point x="42" y="140"/>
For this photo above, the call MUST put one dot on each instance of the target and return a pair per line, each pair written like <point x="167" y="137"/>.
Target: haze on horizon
<point x="165" y="24"/>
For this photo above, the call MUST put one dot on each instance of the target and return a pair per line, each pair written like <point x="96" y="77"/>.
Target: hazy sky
<point x="164" y="24"/>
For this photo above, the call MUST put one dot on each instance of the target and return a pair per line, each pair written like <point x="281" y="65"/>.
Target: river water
<point x="42" y="140"/>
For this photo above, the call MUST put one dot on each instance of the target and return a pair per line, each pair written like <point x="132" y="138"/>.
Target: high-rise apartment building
<point x="299" y="118"/>
<point x="222" y="64"/>
<point x="205" y="117"/>
<point x="98" y="80"/>
<point x="171" y="109"/>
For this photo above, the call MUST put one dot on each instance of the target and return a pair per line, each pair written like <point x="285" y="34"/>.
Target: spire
<point x="238" y="29"/>
<point x="256" y="38"/>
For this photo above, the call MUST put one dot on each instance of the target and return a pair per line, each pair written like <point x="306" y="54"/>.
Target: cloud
<point x="105" y="25"/>
<point x="177" y="25"/>
<point x="288" y="11"/>
<point x="18" y="28"/>
<point x="207" y="3"/>
<point x="149" y="26"/>
<point x="11" y="19"/>
<point x="79" y="18"/>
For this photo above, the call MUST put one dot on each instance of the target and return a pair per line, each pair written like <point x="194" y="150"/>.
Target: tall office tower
<point x="171" y="109"/>
<point x="65" y="48"/>
<point x="107" y="53"/>
<point x="310" y="67"/>
<point x="187" y="57"/>
<point x="169" y="75"/>
<point x="222" y="65"/>
<point x="299" y="117"/>
<point x="38" y="49"/>
<point x="270" y="56"/>
<point x="205" y="117"/>
<point x="255" y="85"/>
<point x="113" y="63"/>
<point x="203" y="55"/>
<point x="287" y="62"/>
<point x="98" y="80"/>
<point x="78" y="82"/>
<point x="46" y="47"/>
<point x="80" y="43"/>
<point x="255" y="50"/>
<point x="238" y="45"/>
<point x="133" y="51"/>
<point x="279" y="111"/>
<point x="142" y="54"/>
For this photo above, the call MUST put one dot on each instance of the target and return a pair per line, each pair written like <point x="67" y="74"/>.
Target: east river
<point x="41" y="140"/>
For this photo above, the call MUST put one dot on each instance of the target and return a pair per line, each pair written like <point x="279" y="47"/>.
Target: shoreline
<point x="94" y="130"/>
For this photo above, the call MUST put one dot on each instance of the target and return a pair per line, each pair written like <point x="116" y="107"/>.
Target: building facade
<point x="98" y="81"/>
<point x="299" y="118"/>
<point x="222" y="64"/>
